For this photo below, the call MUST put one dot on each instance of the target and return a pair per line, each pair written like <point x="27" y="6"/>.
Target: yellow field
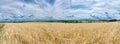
<point x="61" y="33"/>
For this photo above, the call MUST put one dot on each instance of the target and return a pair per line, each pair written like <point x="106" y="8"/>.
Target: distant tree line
<point x="112" y="20"/>
<point x="68" y="21"/>
<point x="83" y="21"/>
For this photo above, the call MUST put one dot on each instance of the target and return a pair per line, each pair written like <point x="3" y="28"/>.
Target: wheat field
<point x="60" y="33"/>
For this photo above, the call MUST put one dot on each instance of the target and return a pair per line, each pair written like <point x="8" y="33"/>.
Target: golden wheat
<point x="61" y="33"/>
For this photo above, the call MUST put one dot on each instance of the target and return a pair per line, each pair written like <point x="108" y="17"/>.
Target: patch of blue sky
<point x="28" y="1"/>
<point x="51" y="2"/>
<point x="80" y="7"/>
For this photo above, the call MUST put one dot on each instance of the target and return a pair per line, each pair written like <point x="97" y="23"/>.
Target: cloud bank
<point x="32" y="10"/>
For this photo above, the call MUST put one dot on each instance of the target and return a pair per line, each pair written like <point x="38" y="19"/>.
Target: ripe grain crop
<point x="61" y="33"/>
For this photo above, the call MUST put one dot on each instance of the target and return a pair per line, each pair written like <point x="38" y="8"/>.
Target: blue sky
<point x="31" y="10"/>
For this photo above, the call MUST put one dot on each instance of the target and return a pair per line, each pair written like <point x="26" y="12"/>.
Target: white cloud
<point x="61" y="10"/>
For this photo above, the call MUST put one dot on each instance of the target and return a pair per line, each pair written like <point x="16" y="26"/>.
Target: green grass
<point x="1" y="28"/>
<point x="1" y="31"/>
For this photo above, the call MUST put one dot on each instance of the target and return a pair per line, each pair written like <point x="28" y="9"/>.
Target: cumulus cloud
<point x="32" y="10"/>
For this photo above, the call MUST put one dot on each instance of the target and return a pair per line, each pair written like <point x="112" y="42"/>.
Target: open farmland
<point x="61" y="33"/>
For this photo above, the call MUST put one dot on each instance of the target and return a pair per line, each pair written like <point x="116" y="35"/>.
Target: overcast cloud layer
<point x="31" y="10"/>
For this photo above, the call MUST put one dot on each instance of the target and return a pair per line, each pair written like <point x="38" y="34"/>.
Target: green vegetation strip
<point x="1" y="31"/>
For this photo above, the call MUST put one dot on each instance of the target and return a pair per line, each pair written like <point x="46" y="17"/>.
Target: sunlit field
<point x="60" y="33"/>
